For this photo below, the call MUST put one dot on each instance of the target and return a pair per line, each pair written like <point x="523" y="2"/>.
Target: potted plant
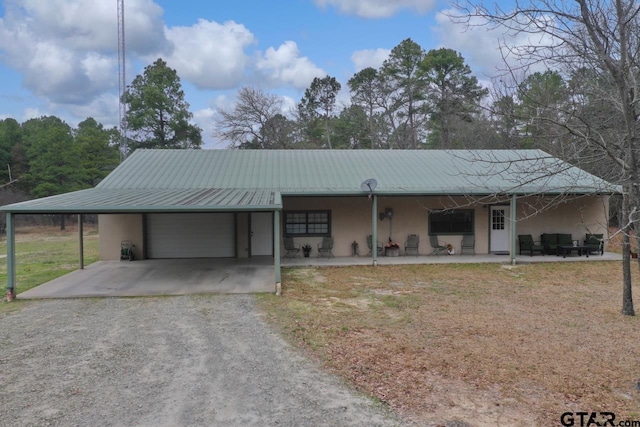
<point x="450" y="249"/>
<point x="306" y="250"/>
<point x="391" y="248"/>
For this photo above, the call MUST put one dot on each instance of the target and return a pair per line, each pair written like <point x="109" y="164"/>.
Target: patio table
<point x="564" y="249"/>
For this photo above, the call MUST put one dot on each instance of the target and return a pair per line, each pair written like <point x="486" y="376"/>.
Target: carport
<point x="107" y="201"/>
<point x="160" y="277"/>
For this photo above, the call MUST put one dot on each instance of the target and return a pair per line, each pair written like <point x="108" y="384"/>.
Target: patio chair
<point x="550" y="243"/>
<point x="468" y="243"/>
<point x="594" y="242"/>
<point x="527" y="244"/>
<point x="325" y="247"/>
<point x="436" y="245"/>
<point x="411" y="245"/>
<point x="292" y="248"/>
<point x="379" y="247"/>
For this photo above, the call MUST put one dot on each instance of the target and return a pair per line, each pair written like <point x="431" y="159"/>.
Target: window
<point x="497" y="219"/>
<point x="451" y="222"/>
<point x="307" y="223"/>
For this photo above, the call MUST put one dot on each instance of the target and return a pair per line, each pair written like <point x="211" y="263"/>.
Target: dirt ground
<point x="484" y="345"/>
<point x="170" y="361"/>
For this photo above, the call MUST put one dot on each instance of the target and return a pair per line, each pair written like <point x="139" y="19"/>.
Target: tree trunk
<point x="62" y="225"/>
<point x="627" y="297"/>
<point x="326" y="129"/>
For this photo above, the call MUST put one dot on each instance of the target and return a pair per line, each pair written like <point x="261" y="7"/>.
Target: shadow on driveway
<point x="161" y="277"/>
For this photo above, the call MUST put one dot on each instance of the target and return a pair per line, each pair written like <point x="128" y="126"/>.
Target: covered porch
<point x="444" y="259"/>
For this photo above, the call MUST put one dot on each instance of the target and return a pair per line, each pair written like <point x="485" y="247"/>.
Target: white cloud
<point x="99" y="68"/>
<point x="31" y="113"/>
<point x="203" y="115"/>
<point x="87" y="24"/>
<point x="67" y="49"/>
<point x="285" y="66"/>
<point x="144" y="27"/>
<point x="103" y="108"/>
<point x="208" y="54"/>
<point x="222" y="102"/>
<point x="288" y="105"/>
<point x="377" y="8"/>
<point x="57" y="74"/>
<point x="369" y="58"/>
<point x="81" y="24"/>
<point x="204" y="119"/>
<point x="480" y="45"/>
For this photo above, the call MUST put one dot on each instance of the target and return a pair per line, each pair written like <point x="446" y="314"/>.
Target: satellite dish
<point x="369" y="184"/>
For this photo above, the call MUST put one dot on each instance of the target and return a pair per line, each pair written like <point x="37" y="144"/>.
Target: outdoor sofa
<point x="551" y="241"/>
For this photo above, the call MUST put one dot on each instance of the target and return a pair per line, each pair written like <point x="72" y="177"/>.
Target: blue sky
<point x="59" y="57"/>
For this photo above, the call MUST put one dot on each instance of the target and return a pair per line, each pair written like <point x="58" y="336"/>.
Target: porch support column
<point x="276" y="249"/>
<point x="81" y="240"/>
<point x="512" y="223"/>
<point x="374" y="231"/>
<point x="11" y="258"/>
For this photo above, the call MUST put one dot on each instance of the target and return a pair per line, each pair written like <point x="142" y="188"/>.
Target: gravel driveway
<point x="172" y="361"/>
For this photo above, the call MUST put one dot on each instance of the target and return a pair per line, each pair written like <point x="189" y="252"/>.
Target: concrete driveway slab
<point x="161" y="277"/>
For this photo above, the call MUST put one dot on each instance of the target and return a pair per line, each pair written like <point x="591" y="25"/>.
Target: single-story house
<point x="242" y="203"/>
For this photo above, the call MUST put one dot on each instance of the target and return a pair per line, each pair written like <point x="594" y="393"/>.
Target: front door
<point x="499" y="238"/>
<point x="261" y="233"/>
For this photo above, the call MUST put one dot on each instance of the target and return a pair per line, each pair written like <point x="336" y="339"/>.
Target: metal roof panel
<point x="299" y="171"/>
<point x="256" y="179"/>
<point x="145" y="200"/>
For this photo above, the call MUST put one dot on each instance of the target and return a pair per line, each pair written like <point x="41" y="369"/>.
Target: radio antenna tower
<point x="122" y="81"/>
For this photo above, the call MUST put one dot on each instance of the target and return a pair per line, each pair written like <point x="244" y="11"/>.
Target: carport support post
<point x="512" y="223"/>
<point x="80" y="241"/>
<point x="11" y="258"/>
<point x="374" y="231"/>
<point x="276" y="249"/>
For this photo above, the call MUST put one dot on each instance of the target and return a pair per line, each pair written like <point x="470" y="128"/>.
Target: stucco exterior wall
<point x="118" y="227"/>
<point x="582" y="215"/>
<point x="351" y="220"/>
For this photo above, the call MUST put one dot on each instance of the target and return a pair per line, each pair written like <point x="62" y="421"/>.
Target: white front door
<point x="261" y="233"/>
<point x="499" y="238"/>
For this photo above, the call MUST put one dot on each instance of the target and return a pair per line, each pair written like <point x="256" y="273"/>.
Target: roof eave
<point x="139" y="209"/>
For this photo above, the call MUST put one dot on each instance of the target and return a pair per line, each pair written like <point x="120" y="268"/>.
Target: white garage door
<point x="195" y="235"/>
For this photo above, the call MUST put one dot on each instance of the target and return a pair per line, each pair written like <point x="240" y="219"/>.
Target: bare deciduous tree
<point x="596" y="45"/>
<point x="253" y="120"/>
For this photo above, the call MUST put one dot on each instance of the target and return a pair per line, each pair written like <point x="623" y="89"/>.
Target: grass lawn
<point x="44" y="253"/>
<point x="482" y="343"/>
<point x="486" y="344"/>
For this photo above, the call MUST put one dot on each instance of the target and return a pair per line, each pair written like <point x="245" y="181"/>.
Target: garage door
<point x="196" y="235"/>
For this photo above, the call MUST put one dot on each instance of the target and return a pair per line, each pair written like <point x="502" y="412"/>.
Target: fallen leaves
<point x="521" y="342"/>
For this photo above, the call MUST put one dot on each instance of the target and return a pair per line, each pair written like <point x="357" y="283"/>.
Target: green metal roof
<point x="254" y="179"/>
<point x="342" y="171"/>
<point x="152" y="200"/>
